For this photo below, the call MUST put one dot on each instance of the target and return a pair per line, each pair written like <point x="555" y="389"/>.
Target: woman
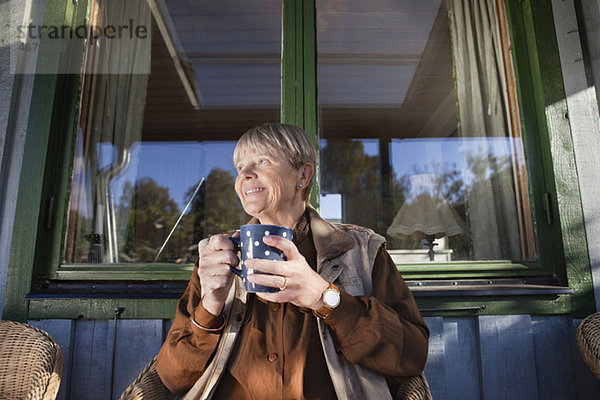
<point x="343" y="323"/>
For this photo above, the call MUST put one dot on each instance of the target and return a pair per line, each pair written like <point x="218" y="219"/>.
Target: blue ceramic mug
<point x="251" y="245"/>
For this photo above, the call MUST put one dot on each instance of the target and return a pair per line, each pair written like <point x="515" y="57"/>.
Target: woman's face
<point x="268" y="187"/>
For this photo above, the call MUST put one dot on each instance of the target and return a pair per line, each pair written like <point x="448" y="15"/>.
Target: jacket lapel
<point x="330" y="242"/>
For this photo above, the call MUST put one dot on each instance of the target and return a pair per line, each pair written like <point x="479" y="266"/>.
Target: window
<point x="153" y="169"/>
<point x="418" y="118"/>
<point x="399" y="127"/>
<point x="420" y="131"/>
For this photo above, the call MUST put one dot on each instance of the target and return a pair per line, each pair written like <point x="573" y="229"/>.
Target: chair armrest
<point x="148" y="386"/>
<point x="30" y="362"/>
<point x="588" y="342"/>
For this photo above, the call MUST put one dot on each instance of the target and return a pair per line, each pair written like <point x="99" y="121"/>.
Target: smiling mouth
<point x="253" y="190"/>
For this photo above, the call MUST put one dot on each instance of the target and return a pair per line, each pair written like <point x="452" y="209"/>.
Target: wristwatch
<point x="331" y="299"/>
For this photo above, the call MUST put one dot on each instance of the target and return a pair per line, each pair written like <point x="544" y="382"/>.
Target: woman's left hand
<point x="303" y="286"/>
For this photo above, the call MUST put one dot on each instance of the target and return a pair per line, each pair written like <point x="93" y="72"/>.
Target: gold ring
<point x="285" y="283"/>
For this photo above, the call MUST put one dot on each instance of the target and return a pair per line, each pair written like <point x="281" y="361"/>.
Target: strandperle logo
<point x="37" y="32"/>
<point x="114" y="37"/>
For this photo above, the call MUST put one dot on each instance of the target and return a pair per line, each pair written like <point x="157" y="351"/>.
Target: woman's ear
<point x="306" y="173"/>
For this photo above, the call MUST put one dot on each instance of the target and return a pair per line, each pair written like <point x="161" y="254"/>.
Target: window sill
<point x="421" y="288"/>
<point x="412" y="271"/>
<point x="129" y="272"/>
<point x="156" y="300"/>
<point x="487" y="288"/>
<point x="55" y="290"/>
<point x="471" y="270"/>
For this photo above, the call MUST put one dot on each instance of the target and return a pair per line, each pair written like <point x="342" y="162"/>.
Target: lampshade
<point x="426" y="211"/>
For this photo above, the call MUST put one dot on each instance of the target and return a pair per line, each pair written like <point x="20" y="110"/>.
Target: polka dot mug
<point x="251" y="245"/>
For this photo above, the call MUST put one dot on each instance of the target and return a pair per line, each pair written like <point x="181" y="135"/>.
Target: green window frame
<point x="40" y="218"/>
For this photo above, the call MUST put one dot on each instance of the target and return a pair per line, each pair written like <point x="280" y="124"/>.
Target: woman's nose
<point x="247" y="172"/>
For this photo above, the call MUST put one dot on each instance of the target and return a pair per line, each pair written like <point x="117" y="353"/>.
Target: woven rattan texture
<point x="148" y="386"/>
<point x="30" y="363"/>
<point x="415" y="388"/>
<point x="588" y="341"/>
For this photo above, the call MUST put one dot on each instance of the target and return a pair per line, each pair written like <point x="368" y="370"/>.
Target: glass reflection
<point x="393" y="86"/>
<point x="146" y="140"/>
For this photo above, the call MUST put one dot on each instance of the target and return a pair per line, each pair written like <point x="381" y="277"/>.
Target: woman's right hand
<point x="215" y="273"/>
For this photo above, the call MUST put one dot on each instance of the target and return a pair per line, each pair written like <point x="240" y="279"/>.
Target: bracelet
<point x="208" y="329"/>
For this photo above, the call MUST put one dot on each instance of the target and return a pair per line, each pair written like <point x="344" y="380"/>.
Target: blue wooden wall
<point x="488" y="357"/>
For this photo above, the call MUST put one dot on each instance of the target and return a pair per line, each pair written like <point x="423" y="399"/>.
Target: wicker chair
<point x="588" y="341"/>
<point x="414" y="388"/>
<point x="148" y="386"/>
<point x="30" y="362"/>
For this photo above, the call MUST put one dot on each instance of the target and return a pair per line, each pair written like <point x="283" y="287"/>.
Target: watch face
<point x="331" y="298"/>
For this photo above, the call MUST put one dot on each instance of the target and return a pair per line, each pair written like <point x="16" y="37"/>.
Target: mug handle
<point x="233" y="269"/>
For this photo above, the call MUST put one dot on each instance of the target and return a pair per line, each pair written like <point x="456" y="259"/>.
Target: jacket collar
<point x="330" y="241"/>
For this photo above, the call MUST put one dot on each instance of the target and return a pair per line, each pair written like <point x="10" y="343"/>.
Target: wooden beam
<point x="187" y="82"/>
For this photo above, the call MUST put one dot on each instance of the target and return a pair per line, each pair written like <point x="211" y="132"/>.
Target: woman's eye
<point x="264" y="161"/>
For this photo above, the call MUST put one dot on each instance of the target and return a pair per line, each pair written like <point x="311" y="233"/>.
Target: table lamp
<point x="427" y="212"/>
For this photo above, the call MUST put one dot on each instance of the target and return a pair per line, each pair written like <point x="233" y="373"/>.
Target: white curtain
<point x="115" y="89"/>
<point x="482" y="102"/>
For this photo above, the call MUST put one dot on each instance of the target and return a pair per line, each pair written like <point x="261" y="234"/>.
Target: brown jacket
<point x="387" y="329"/>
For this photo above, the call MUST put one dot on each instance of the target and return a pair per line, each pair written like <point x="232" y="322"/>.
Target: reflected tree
<point x="78" y="248"/>
<point x="349" y="171"/>
<point x="216" y="207"/>
<point x="492" y="207"/>
<point x="223" y="208"/>
<point x="150" y="213"/>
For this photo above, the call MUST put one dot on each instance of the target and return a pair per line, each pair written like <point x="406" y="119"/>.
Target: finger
<point x="214" y="276"/>
<point x="215" y="283"/>
<point x="287" y="246"/>
<point x="274" y="281"/>
<point x="220" y="257"/>
<point x="273" y="267"/>
<point x="213" y="271"/>
<point x="220" y="242"/>
<point x="216" y="270"/>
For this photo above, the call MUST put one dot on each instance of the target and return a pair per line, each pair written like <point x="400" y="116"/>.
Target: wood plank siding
<point x="488" y="357"/>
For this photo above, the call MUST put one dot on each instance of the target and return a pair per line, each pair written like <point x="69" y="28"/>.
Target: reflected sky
<point x="445" y="155"/>
<point x="174" y="165"/>
<point x="180" y="165"/>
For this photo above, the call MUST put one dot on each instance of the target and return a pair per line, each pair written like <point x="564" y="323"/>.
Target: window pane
<point x="146" y="141"/>
<point x="394" y="81"/>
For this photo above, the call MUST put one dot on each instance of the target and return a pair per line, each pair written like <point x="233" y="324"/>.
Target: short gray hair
<point x="278" y="140"/>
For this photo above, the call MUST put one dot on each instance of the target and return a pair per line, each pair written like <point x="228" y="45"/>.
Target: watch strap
<point x="324" y="311"/>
